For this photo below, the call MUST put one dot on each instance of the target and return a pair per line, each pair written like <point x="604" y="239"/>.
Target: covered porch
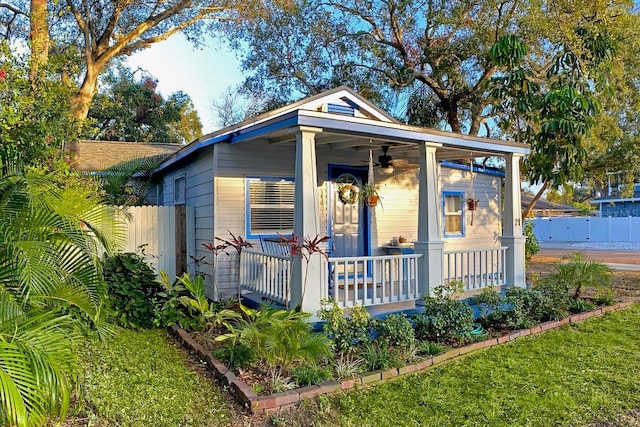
<point x="393" y="281"/>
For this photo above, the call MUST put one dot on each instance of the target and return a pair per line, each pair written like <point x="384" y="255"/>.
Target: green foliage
<point x="599" y="354"/>
<point x="50" y="287"/>
<point x="429" y="348"/>
<point x="579" y="305"/>
<point x="281" y="338"/>
<point x="132" y="289"/>
<point x="236" y="355"/>
<point x="445" y="318"/>
<point x="127" y="109"/>
<point x="579" y="273"/>
<point x="36" y="119"/>
<point x="395" y="331"/>
<point x="128" y="183"/>
<point x="139" y="379"/>
<point x="531" y="246"/>
<point x="310" y="374"/>
<point x="347" y="334"/>
<point x="377" y="358"/>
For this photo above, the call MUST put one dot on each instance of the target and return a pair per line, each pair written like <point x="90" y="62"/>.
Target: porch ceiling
<point x="357" y="144"/>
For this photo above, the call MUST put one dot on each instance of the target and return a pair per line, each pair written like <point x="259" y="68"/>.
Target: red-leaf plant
<point x="304" y="247"/>
<point x="238" y="243"/>
<point x="215" y="251"/>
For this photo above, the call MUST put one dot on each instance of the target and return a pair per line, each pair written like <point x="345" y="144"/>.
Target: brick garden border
<point x="274" y="402"/>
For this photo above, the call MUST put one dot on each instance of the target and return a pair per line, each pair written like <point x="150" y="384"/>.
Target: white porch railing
<point x="372" y="280"/>
<point x="476" y="268"/>
<point x="267" y="274"/>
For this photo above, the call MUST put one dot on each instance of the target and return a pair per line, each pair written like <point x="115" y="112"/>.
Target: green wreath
<point x="348" y="194"/>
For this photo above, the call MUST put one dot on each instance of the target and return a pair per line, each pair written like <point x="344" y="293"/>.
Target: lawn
<point x="139" y="378"/>
<point x="573" y="376"/>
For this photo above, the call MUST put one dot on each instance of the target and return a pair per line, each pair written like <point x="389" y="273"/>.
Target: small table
<point x="399" y="249"/>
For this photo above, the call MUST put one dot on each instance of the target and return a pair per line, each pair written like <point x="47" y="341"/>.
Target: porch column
<point x="306" y="223"/>
<point x="512" y="236"/>
<point x="429" y="242"/>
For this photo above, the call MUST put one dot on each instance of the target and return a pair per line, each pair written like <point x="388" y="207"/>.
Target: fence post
<point x="181" y="240"/>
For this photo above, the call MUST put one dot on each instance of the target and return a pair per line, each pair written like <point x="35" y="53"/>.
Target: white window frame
<point x="459" y="213"/>
<point x="252" y="233"/>
<point x="179" y="199"/>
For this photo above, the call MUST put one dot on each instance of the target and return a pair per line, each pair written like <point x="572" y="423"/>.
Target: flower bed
<point x="276" y="401"/>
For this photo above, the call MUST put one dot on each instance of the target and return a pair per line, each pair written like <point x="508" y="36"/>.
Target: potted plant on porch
<point x="369" y="194"/>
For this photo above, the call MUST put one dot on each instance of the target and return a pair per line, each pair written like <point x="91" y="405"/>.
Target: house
<point x="285" y="172"/>
<point x="545" y="208"/>
<point x="617" y="205"/>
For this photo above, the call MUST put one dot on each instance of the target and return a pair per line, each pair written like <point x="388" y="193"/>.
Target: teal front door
<point x="348" y="222"/>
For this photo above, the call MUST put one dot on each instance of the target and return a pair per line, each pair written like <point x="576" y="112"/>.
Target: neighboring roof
<point x="101" y="155"/>
<point x="366" y="124"/>
<point x="545" y="205"/>
<point x="616" y="197"/>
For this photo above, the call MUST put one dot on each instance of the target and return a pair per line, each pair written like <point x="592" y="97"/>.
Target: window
<point x="179" y="190"/>
<point x="453" y="209"/>
<point x="269" y="206"/>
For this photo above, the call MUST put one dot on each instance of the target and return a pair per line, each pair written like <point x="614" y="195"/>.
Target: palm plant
<point x="50" y="277"/>
<point x="578" y="273"/>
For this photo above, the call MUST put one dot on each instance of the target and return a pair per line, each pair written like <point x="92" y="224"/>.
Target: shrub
<point x="579" y="305"/>
<point x="132" y="290"/>
<point x="376" y="358"/>
<point x="429" y="348"/>
<point x="395" y="331"/>
<point x="526" y="307"/>
<point x="445" y="318"/>
<point x="347" y="334"/>
<point x="531" y="246"/>
<point x="236" y="355"/>
<point x="310" y="374"/>
<point x="578" y="273"/>
<point x="492" y="308"/>
<point x="281" y="337"/>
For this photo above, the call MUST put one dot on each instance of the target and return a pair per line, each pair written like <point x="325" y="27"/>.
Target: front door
<point x="348" y="225"/>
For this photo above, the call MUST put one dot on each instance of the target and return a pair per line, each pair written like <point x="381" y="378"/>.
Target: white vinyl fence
<point x="587" y="229"/>
<point x="157" y="229"/>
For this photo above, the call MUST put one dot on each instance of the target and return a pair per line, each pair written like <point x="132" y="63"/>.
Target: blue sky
<point x="201" y="73"/>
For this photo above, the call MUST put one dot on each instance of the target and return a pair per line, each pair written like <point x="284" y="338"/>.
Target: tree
<point x="132" y="110"/>
<point x="103" y="31"/>
<point x="35" y="115"/>
<point x="235" y="105"/>
<point x="440" y="55"/>
<point x="50" y="279"/>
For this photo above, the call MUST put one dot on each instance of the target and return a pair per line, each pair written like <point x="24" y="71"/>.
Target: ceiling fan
<point x="386" y="163"/>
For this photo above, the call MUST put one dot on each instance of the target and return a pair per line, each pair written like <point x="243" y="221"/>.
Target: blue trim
<point x="462" y="214"/>
<point x="366" y="216"/>
<point x="276" y="124"/>
<point x="476" y="168"/>
<point x="247" y="203"/>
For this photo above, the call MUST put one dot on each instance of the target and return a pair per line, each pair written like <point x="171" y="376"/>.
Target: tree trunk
<point x="452" y="118"/>
<point x="39" y="35"/>
<point x="534" y="200"/>
<point x="87" y="91"/>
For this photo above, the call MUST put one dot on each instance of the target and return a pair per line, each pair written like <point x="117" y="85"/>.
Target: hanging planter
<point x="472" y="204"/>
<point x="369" y="192"/>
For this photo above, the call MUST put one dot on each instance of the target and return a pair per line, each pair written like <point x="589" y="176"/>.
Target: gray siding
<point x="215" y="188"/>
<point x="199" y="195"/>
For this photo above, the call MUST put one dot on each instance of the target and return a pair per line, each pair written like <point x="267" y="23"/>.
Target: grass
<point x="139" y="379"/>
<point x="573" y="376"/>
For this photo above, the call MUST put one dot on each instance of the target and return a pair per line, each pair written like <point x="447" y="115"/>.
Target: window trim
<point x="247" y="203"/>
<point x="183" y="199"/>
<point x="462" y="214"/>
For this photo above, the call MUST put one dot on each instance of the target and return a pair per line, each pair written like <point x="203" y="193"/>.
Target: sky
<point x="202" y="73"/>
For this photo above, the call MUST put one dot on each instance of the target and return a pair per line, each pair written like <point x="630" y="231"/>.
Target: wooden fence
<point x="164" y="233"/>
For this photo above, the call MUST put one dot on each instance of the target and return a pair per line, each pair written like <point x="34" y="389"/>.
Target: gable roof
<point x="342" y="112"/>
<point x="93" y="156"/>
<point x="617" y="197"/>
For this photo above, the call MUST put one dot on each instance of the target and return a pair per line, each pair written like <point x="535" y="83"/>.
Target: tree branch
<point x="529" y="208"/>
